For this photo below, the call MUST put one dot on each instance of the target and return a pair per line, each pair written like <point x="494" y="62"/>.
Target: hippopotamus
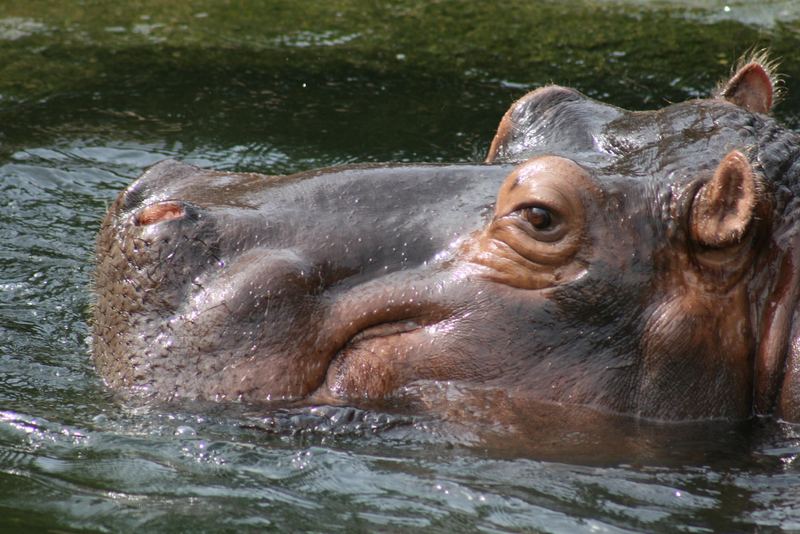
<point x="634" y="262"/>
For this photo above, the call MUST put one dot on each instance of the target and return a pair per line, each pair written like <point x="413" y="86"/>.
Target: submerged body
<point x="635" y="262"/>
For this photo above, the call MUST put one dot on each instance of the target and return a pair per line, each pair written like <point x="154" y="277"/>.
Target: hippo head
<point x="636" y="262"/>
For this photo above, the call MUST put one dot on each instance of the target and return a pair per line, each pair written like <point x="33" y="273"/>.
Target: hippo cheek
<point x="382" y="361"/>
<point x="470" y="330"/>
<point x="392" y="331"/>
<point x="377" y="362"/>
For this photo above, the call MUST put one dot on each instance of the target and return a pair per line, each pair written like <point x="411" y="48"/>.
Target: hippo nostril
<point x="160" y="212"/>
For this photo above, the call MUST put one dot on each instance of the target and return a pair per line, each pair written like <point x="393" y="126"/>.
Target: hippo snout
<point x="263" y="284"/>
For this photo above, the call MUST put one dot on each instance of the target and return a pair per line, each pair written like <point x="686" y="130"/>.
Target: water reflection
<point x="152" y="462"/>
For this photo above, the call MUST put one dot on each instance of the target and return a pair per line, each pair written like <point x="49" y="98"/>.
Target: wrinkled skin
<point x="634" y="262"/>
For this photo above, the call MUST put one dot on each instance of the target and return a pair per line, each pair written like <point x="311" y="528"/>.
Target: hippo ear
<point x="725" y="205"/>
<point x="751" y="87"/>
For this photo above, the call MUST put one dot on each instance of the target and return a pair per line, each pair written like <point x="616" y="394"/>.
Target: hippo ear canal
<point x="724" y="207"/>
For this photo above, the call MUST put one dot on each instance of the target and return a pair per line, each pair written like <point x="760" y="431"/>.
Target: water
<point x="92" y="92"/>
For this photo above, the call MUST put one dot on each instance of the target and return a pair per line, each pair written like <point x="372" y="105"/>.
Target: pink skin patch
<point x="156" y="213"/>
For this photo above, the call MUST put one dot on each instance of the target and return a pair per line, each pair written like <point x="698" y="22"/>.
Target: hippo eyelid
<point x="556" y="214"/>
<point x="551" y="200"/>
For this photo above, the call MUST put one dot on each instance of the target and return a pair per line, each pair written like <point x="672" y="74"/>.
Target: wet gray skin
<point x="634" y="262"/>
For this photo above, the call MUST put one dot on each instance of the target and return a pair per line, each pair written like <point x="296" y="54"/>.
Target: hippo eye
<point x="540" y="218"/>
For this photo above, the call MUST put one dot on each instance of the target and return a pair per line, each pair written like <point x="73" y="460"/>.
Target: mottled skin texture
<point x="636" y="262"/>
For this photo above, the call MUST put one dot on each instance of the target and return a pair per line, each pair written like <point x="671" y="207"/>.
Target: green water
<point x="93" y="92"/>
